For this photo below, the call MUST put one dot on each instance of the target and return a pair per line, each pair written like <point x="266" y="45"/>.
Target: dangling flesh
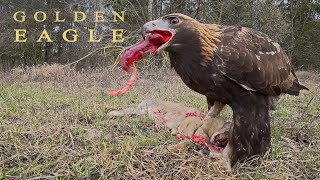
<point x="136" y="52"/>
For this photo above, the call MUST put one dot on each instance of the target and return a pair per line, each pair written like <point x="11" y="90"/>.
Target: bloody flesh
<point x="136" y="52"/>
<point x="151" y="43"/>
<point x="201" y="140"/>
<point x="127" y="86"/>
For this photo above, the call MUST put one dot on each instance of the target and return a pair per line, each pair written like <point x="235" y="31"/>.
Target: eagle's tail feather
<point x="295" y="89"/>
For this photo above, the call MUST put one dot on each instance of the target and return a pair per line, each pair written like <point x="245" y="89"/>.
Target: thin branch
<point x="197" y="10"/>
<point x="307" y="107"/>
<point x="91" y="53"/>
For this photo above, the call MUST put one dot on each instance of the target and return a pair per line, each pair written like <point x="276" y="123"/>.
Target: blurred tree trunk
<point x="150" y="10"/>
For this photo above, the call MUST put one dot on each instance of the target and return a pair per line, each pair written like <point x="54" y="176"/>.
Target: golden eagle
<point x="231" y="65"/>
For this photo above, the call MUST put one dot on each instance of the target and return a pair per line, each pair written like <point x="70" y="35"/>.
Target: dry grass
<point x="53" y="125"/>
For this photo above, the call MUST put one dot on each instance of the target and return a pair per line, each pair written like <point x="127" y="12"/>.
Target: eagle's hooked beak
<point x="159" y="27"/>
<point x="156" y="25"/>
<point x="147" y="27"/>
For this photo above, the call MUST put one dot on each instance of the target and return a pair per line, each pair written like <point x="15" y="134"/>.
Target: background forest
<point x="294" y="24"/>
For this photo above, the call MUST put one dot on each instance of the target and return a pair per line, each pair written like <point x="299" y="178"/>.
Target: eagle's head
<point x="170" y="27"/>
<point x="178" y="34"/>
<point x="183" y="33"/>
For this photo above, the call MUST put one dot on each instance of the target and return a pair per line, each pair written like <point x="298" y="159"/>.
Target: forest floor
<point x="53" y="125"/>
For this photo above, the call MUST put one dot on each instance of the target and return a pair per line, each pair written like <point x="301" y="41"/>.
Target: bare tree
<point x="150" y="10"/>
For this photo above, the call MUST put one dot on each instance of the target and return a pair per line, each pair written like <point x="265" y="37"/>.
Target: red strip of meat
<point x="138" y="51"/>
<point x="127" y="86"/>
<point x="135" y="53"/>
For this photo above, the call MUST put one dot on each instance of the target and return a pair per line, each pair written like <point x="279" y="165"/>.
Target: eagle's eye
<point x="174" y="21"/>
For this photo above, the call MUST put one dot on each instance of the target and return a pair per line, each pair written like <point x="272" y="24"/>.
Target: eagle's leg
<point x="250" y="131"/>
<point x="214" y="108"/>
<point x="211" y="124"/>
<point x="273" y="102"/>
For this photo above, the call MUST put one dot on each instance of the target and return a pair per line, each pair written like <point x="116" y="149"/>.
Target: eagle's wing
<point x="254" y="61"/>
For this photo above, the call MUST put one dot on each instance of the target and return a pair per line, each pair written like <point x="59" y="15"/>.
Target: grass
<point x="53" y="125"/>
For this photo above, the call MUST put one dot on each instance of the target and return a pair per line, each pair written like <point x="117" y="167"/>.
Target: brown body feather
<point x="250" y="58"/>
